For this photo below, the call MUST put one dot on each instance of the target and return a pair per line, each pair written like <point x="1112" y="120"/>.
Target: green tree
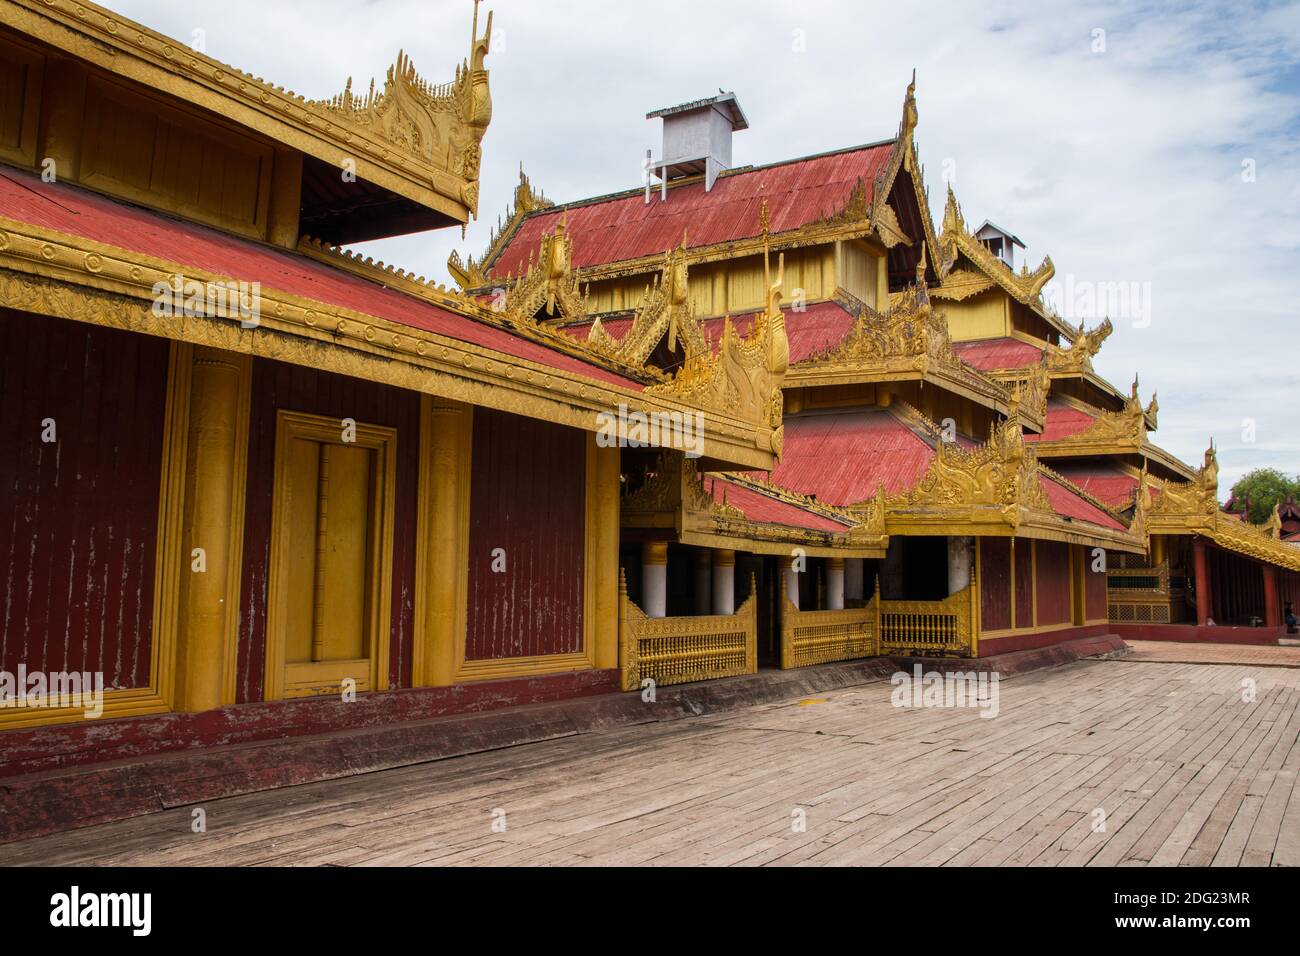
<point x="1265" y="487"/>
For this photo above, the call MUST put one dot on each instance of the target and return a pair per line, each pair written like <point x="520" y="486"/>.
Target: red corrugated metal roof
<point x="625" y="226"/>
<point x="1063" y="420"/>
<point x="1105" y="481"/>
<point x="78" y="212"/>
<point x="841" y="456"/>
<point x="760" y="507"/>
<point x="989" y="354"/>
<point x="1067" y="504"/>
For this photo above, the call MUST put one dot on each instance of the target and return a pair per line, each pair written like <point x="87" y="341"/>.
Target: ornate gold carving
<point x="473" y="273"/>
<point x="1192" y="507"/>
<point x="1077" y="359"/>
<point x="678" y="650"/>
<point x="1198" y="497"/>
<point x="1125" y="427"/>
<point x="1030" y="389"/>
<point x="818" y="637"/>
<point x="943" y="628"/>
<point x="961" y="284"/>
<point x="909" y="336"/>
<point x="665" y="311"/>
<point x="1025" y="287"/>
<point x="1273" y="526"/>
<point x="421" y="141"/>
<point x="1001" y="473"/>
<point x="745" y="375"/>
<point x="442" y="125"/>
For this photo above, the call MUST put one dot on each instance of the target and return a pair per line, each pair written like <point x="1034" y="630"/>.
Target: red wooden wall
<point x="294" y="388"/>
<point x="1238" y="586"/>
<point x="79" y="517"/>
<point x="1053" y="582"/>
<point x="527" y="496"/>
<point x="995" y="584"/>
<point x="1024" y="583"/>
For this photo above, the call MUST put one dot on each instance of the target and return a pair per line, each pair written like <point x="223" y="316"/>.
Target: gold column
<point x="1157" y="549"/>
<point x="286" y="198"/>
<point x="442" y="539"/>
<point x="603" y="515"/>
<point x="213" y="519"/>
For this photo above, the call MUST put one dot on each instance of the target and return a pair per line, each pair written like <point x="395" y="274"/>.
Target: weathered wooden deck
<point x="1186" y="772"/>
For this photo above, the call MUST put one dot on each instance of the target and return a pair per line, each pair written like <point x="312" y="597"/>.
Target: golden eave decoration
<point x="1192" y="507"/>
<point x="991" y="489"/>
<point x="676" y="497"/>
<point x="418" y="140"/>
<point x="1025" y="287"/>
<point x="1114" y="433"/>
<point x="50" y="273"/>
<point x="908" y="341"/>
<point x="471" y="273"/>
<point x="745" y="374"/>
<point x="665" y="314"/>
<point x="1077" y="359"/>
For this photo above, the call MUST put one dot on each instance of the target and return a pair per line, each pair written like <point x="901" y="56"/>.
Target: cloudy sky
<point x="1152" y="147"/>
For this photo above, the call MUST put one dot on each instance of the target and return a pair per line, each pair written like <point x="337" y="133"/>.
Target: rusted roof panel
<point x="1068" y="504"/>
<point x="841" y="456"/>
<point x="1062" y="421"/>
<point x="763" y="508"/>
<point x="625" y="226"/>
<point x="991" y="354"/>
<point x="1105" y="481"/>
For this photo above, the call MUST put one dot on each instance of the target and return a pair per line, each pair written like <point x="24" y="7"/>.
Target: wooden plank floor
<point x="1185" y="771"/>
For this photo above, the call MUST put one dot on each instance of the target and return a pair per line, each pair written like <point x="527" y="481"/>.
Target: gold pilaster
<point x="442" y="535"/>
<point x="213" y="520"/>
<point x="602" y="531"/>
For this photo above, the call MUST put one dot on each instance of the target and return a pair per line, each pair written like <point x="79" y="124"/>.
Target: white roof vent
<point x="697" y="139"/>
<point x="1000" y="242"/>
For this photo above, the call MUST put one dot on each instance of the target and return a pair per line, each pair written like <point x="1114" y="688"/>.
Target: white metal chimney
<point x="697" y="139"/>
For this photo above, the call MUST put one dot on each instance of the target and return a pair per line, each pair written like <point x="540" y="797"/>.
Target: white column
<point x="791" y="577"/>
<point x="654" y="578"/>
<point x="959" y="561"/>
<point x="724" y="582"/>
<point x="835" y="584"/>
<point x="703" y="582"/>
<point x="853" y="579"/>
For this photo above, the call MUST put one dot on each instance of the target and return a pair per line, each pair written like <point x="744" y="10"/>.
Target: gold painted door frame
<point x="329" y="604"/>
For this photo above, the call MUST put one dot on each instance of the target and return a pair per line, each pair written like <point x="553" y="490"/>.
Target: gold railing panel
<point x="678" y="650"/>
<point x="930" y="628"/>
<point x="1141" y="595"/>
<point x="817" y="637"/>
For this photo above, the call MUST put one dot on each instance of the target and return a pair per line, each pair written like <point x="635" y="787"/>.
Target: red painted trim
<point x="73" y="745"/>
<point x="1196" y="634"/>
<point x="1026" y="642"/>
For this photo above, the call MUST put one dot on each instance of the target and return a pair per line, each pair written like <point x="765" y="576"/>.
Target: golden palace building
<point x="736" y="417"/>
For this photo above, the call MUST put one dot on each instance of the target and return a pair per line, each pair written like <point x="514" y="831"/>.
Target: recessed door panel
<point x="331" y="558"/>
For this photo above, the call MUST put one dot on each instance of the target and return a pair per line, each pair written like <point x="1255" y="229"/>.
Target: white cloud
<point x="1124" y="165"/>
